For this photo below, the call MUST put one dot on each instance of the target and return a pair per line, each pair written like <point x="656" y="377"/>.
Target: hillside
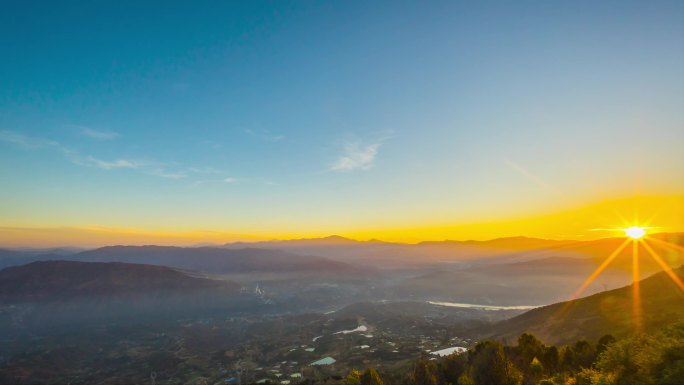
<point x="609" y="312"/>
<point x="207" y="259"/>
<point x="67" y="280"/>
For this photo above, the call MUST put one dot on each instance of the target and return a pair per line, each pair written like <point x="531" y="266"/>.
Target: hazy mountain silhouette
<point x="392" y="254"/>
<point x="66" y="280"/>
<point x="208" y="259"/>
<point x="501" y="250"/>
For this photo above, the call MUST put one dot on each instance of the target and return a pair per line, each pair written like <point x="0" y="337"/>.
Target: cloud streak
<point x="26" y="141"/>
<point x="91" y="161"/>
<point x="98" y="134"/>
<point x="356" y="156"/>
<point x="236" y="181"/>
<point x="149" y="168"/>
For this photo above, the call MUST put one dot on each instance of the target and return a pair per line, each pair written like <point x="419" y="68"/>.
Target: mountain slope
<point x="610" y="312"/>
<point x="67" y="280"/>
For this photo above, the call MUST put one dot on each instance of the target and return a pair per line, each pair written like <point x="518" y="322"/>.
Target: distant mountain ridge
<point x="393" y="254"/>
<point x="499" y="250"/>
<point x="338" y="253"/>
<point x="208" y="259"/>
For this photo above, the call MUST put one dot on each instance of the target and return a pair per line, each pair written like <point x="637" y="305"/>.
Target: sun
<point x="635" y="232"/>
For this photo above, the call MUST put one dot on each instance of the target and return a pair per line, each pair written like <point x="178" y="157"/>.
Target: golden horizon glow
<point x="581" y="223"/>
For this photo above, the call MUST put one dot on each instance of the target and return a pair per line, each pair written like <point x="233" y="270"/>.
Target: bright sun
<point x="635" y="232"/>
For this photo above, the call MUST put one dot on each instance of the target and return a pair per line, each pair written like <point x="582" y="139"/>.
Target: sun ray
<point x="564" y="309"/>
<point x="554" y="249"/>
<point x="666" y="244"/>
<point x="600" y="269"/>
<point x="636" y="291"/>
<point x="664" y="265"/>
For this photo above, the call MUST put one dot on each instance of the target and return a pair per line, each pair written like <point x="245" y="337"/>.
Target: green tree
<point x="603" y="343"/>
<point x="551" y="359"/>
<point x="488" y="364"/>
<point x="453" y="366"/>
<point x="371" y="377"/>
<point x="423" y="374"/>
<point x="631" y="361"/>
<point x="646" y="359"/>
<point x="536" y="371"/>
<point x="529" y="347"/>
<point x="593" y="377"/>
<point x="578" y="356"/>
<point x="353" y="378"/>
<point x="670" y="369"/>
<point x="585" y="354"/>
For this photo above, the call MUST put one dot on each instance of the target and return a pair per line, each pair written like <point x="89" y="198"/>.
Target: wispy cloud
<point x="146" y="167"/>
<point x="264" y="135"/>
<point x="26" y="141"/>
<point x="356" y="156"/>
<point x="236" y="181"/>
<point x="142" y="166"/>
<point x="98" y="134"/>
<point x="163" y="173"/>
<point x="205" y="170"/>
<point x="91" y="161"/>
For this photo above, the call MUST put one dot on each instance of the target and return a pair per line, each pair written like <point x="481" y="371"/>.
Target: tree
<point x="529" y="347"/>
<point x="603" y="343"/>
<point x="371" y="377"/>
<point x="670" y="369"/>
<point x="593" y="377"/>
<point x="580" y="355"/>
<point x="488" y="364"/>
<point x="551" y="359"/>
<point x="353" y="378"/>
<point x="584" y="354"/>
<point x="646" y="359"/>
<point x="423" y="374"/>
<point x="536" y="370"/>
<point x="453" y="366"/>
<point x="631" y="361"/>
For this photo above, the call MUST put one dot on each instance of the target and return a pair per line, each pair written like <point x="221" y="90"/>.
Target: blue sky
<point x="322" y="116"/>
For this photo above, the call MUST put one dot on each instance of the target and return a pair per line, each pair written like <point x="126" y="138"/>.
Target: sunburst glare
<point x="635" y="232"/>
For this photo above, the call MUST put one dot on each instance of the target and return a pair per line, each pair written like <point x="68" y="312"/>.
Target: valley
<point x="263" y="316"/>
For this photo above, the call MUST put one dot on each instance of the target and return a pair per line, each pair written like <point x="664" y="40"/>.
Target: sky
<point x="183" y="122"/>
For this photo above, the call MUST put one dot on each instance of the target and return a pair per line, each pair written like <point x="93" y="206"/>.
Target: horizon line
<point x="274" y="240"/>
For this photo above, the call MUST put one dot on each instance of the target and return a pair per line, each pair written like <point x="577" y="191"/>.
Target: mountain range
<point x="206" y="259"/>
<point x="611" y="311"/>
